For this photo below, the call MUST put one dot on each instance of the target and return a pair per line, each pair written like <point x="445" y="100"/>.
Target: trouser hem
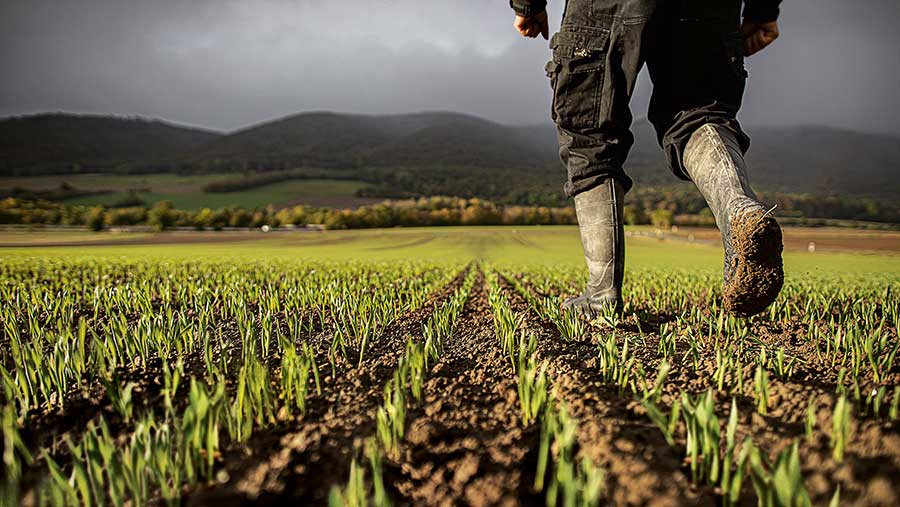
<point x="598" y="175"/>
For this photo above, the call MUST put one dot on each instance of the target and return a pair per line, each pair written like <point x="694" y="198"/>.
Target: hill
<point x="65" y="143"/>
<point x="323" y="139"/>
<point x="805" y="159"/>
<point x="432" y="152"/>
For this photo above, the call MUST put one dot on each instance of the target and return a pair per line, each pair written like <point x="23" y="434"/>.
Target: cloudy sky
<point x="226" y="64"/>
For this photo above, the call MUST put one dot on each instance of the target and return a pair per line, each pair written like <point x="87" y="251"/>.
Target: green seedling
<point x="732" y="479"/>
<point x="778" y="484"/>
<point x="702" y="431"/>
<point x="354" y="493"/>
<point x="895" y="404"/>
<point x="761" y="389"/>
<point x="840" y="428"/>
<point x="532" y="388"/>
<point x="666" y="425"/>
<point x="16" y="456"/>
<point x="391" y="417"/>
<point x="572" y="482"/>
<point x="810" y="419"/>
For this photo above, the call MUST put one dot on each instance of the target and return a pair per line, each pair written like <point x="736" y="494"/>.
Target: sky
<point x="229" y="64"/>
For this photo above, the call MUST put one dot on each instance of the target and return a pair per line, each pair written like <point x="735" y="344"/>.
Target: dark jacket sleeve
<point x="761" y="11"/>
<point x="527" y="8"/>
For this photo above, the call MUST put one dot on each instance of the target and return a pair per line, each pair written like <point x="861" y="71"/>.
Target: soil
<point x="799" y="239"/>
<point x="466" y="444"/>
<point x="299" y="461"/>
<point x="660" y="475"/>
<point x="614" y="432"/>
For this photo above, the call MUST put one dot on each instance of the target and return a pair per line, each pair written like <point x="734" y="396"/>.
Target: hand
<point x="758" y="35"/>
<point x="533" y="25"/>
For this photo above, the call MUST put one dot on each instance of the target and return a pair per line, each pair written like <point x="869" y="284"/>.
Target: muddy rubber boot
<point x="753" y="273"/>
<point x="599" y="211"/>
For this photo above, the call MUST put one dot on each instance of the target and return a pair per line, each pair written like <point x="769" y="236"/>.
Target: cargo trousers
<point x="694" y="53"/>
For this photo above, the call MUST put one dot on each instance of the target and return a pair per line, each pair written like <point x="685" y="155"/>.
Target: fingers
<point x="757" y="36"/>
<point x="532" y="26"/>
<point x="525" y="27"/>
<point x="530" y="31"/>
<point x="748" y="28"/>
<point x="521" y="25"/>
<point x="770" y="30"/>
<point x="752" y="45"/>
<point x="757" y="42"/>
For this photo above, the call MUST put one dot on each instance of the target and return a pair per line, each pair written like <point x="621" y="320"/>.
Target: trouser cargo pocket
<point x="577" y="74"/>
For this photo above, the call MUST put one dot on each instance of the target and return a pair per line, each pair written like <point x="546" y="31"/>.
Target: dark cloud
<point x="230" y="63"/>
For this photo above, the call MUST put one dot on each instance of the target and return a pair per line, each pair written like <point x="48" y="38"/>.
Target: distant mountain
<point x="809" y="159"/>
<point x="438" y="145"/>
<point x="423" y="140"/>
<point x="65" y="143"/>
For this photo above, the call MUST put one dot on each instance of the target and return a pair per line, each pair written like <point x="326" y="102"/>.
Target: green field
<point x="548" y="246"/>
<point x="436" y="366"/>
<point x="186" y="192"/>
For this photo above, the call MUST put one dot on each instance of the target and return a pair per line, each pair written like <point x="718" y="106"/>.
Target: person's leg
<point x="753" y="273"/>
<point x="699" y="81"/>
<point x="596" y="60"/>
<point x="599" y="211"/>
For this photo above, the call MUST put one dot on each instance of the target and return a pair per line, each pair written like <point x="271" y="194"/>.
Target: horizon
<point x="547" y="124"/>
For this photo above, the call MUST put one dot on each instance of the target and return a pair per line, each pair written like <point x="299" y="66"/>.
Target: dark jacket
<point x="759" y="11"/>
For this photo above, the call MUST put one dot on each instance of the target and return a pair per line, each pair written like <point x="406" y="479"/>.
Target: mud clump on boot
<point x="757" y="270"/>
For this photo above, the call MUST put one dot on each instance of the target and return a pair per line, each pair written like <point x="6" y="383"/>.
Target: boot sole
<point x="583" y="308"/>
<point x="758" y="269"/>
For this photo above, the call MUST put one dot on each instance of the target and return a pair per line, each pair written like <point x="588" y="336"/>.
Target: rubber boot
<point x="753" y="274"/>
<point x="599" y="211"/>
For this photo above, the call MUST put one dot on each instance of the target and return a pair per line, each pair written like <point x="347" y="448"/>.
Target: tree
<point x="95" y="218"/>
<point x="662" y="218"/>
<point x="203" y="219"/>
<point x="634" y="216"/>
<point x="162" y="215"/>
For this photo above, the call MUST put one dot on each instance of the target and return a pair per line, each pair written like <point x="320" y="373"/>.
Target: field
<point x="186" y="192"/>
<point x="434" y="367"/>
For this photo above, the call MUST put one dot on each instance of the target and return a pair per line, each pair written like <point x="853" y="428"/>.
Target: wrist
<point x="528" y="8"/>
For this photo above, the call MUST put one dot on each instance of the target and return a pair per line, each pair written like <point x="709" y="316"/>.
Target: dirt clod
<point x="758" y="274"/>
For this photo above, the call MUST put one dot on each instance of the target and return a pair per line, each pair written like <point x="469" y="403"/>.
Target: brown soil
<point x="798" y="239"/>
<point x="756" y="267"/>
<point x="465" y="443"/>
<point x="300" y="460"/>
<point x="614" y="432"/>
<point x="872" y="459"/>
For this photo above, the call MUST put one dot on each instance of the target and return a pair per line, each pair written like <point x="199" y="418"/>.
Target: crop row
<point x="232" y="349"/>
<point x="407" y="380"/>
<point x="864" y="350"/>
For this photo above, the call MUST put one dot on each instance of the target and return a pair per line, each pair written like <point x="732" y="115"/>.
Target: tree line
<point x="417" y="212"/>
<point x="432" y="211"/>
